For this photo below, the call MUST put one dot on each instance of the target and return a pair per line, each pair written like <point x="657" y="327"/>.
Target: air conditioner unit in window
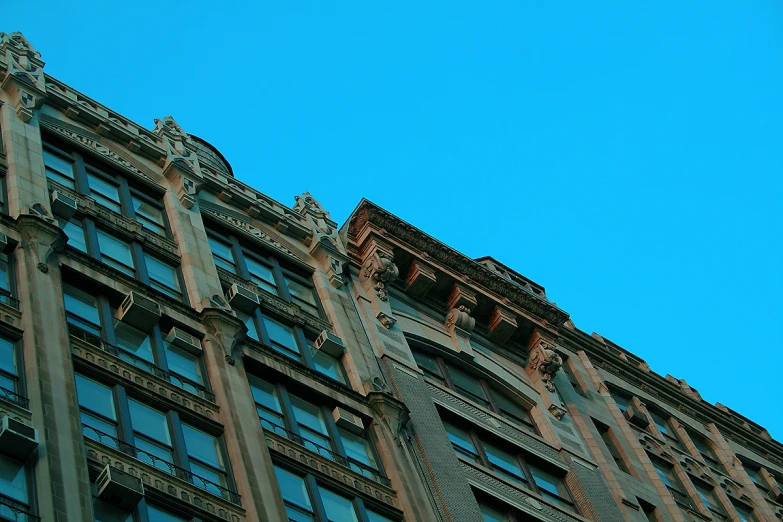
<point x="119" y="488"/>
<point x="330" y="344"/>
<point x="17" y="439"/>
<point x="241" y="298"/>
<point x="184" y="340"/>
<point x="62" y="205"/>
<point x="636" y="417"/>
<point x="139" y="311"/>
<point x="776" y="494"/>
<point x="347" y="420"/>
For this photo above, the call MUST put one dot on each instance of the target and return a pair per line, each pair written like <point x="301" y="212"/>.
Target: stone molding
<point x="99" y="360"/>
<point x="369" y="213"/>
<point x="326" y="467"/>
<point x="167" y="485"/>
<point x="16" y="412"/>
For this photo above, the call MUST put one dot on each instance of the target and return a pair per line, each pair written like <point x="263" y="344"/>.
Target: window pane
<point x="5" y="282"/>
<point x="267" y="405"/>
<point x="293" y="490"/>
<point x="358" y="448"/>
<point x="375" y="517"/>
<point x="115" y="253"/>
<point x="338" y="509"/>
<point x="82" y="309"/>
<point x="163" y="277"/>
<point x="183" y="363"/>
<point x="105" y="193"/>
<point x="133" y="341"/>
<point x="304" y="295"/>
<point x="12" y="479"/>
<point x="75" y="232"/>
<point x="429" y="366"/>
<point x="150" y="216"/>
<point x="468" y="385"/>
<point x="202" y="446"/>
<point x="328" y="365"/>
<point x="261" y="275"/>
<point x="156" y="515"/>
<point x="223" y="254"/>
<point x="95" y="397"/>
<point x="282" y="337"/>
<point x="7" y="357"/>
<point x="149" y="422"/>
<point x="505" y="464"/>
<point x="311" y="423"/>
<point x="106" y="512"/>
<point x="491" y="515"/>
<point x="252" y="332"/>
<point x="461" y="441"/>
<point x="100" y="426"/>
<point x="59" y="169"/>
<point x="208" y="478"/>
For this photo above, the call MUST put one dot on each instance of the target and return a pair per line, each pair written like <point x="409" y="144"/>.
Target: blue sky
<point x="625" y="155"/>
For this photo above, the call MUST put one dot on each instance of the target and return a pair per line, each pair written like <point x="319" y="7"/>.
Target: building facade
<point x="177" y="346"/>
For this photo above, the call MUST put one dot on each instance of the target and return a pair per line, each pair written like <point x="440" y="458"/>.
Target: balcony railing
<point x="176" y="380"/>
<point x="359" y="467"/>
<point x="14" y="397"/>
<point x="161" y="464"/>
<point x="11" y="509"/>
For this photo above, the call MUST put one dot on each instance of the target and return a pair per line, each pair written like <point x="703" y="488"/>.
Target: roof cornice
<point x="370" y="213"/>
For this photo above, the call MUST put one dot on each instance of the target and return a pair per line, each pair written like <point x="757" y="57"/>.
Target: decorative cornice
<point x="368" y="212"/>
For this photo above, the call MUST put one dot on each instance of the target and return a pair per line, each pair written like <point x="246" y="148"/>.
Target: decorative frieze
<point x="177" y="489"/>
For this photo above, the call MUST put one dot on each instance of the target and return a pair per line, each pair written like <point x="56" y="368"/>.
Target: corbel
<point x="41" y="235"/>
<point x="223" y="329"/>
<point x="502" y="324"/>
<point x="421" y="277"/>
<point x="378" y="268"/>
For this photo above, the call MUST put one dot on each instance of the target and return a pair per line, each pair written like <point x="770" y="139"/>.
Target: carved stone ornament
<point x="382" y="270"/>
<point x="224" y="328"/>
<point x="557" y="411"/>
<point x="548" y="362"/>
<point x="181" y="165"/>
<point x="24" y="81"/>
<point x="460" y="318"/>
<point x="386" y="320"/>
<point x="41" y="235"/>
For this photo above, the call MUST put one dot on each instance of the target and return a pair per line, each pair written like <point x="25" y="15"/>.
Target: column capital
<point x="42" y="236"/>
<point x="225" y="328"/>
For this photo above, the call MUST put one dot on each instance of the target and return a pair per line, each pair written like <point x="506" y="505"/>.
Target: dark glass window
<point x="661" y="421"/>
<point x="10" y="368"/>
<point x="672" y="482"/>
<point x="707" y="495"/>
<point x="14" y="492"/>
<point x="611" y="445"/>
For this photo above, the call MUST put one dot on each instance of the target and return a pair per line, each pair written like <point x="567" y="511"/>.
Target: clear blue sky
<point x="625" y="155"/>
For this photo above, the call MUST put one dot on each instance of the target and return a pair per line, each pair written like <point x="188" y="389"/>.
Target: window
<point x="90" y="317"/>
<point x="491" y="515"/>
<point x="648" y="510"/>
<point x="307" y="501"/>
<point x="7" y="290"/>
<point x="622" y="401"/>
<point x="59" y="168"/>
<point x="524" y="471"/>
<point x="612" y="445"/>
<point x="661" y="422"/>
<point x="10" y="373"/>
<point x="572" y="378"/>
<point x="14" y="489"/>
<point x="264" y="272"/>
<point x="706" y="451"/>
<point x="312" y="425"/>
<point x="745" y="512"/>
<point x="107" y="512"/>
<point x="474" y="389"/>
<point x="754" y="472"/>
<point x="150" y="435"/>
<point x="669" y="477"/>
<point x="707" y="495"/>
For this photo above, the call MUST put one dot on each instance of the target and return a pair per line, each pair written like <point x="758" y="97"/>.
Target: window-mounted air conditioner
<point x="62" y="205"/>
<point x="330" y="344"/>
<point x="184" y="340"/>
<point x="119" y="488"/>
<point x="347" y="420"/>
<point x="776" y="494"/>
<point x="241" y="298"/>
<point x="139" y="311"/>
<point x="7" y="244"/>
<point x="636" y="417"/>
<point x="17" y="439"/>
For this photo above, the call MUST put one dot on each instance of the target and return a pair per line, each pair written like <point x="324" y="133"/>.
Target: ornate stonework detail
<point x="248" y="229"/>
<point x="225" y="329"/>
<point x="84" y="139"/>
<point x="386" y="320"/>
<point x="24" y="80"/>
<point x="420" y="279"/>
<point x="181" y="165"/>
<point x="41" y="235"/>
<point x="502" y="324"/>
<point x="460" y="318"/>
<point x="380" y="268"/>
<point x="369" y="213"/>
<point x="547" y="361"/>
<point x="557" y="411"/>
<point x="325" y="243"/>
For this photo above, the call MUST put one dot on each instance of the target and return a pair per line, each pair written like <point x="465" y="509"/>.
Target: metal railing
<point x="357" y="466"/>
<point x="177" y="380"/>
<point x="161" y="464"/>
<point x="11" y="509"/>
<point x="14" y="397"/>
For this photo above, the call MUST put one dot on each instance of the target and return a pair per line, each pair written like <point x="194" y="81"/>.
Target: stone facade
<point x="187" y="348"/>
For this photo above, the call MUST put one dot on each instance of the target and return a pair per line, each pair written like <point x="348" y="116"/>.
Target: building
<point x="177" y="346"/>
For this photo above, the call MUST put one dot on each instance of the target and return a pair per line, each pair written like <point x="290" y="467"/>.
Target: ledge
<point x="94" y="357"/>
<point x="522" y="499"/>
<point x="331" y="469"/>
<point x="16" y="412"/>
<point x="167" y="485"/>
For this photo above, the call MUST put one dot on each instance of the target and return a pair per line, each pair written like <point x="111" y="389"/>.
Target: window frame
<point x="17" y="395"/>
<point x="672" y="482"/>
<point x="28" y="506"/>
<point x="662" y="421"/>
<point x="612" y="444"/>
